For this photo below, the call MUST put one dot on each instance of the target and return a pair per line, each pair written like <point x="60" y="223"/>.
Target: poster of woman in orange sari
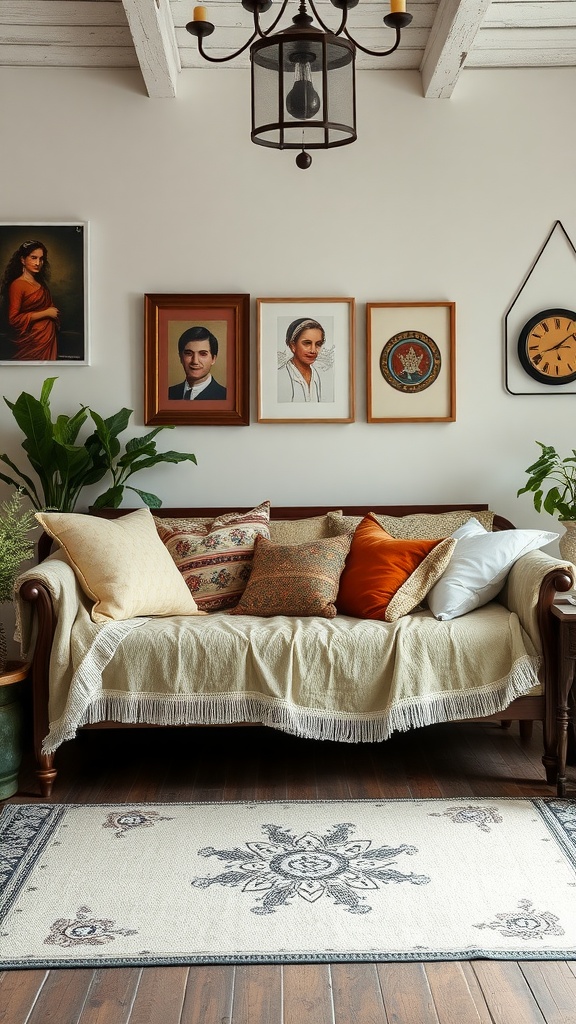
<point x="42" y="294"/>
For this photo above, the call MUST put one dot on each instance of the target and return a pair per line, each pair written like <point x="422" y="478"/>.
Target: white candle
<point x="200" y="13"/>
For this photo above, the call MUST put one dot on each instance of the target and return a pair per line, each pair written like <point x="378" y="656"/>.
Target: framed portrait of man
<point x="44" y="294"/>
<point x="197" y="356"/>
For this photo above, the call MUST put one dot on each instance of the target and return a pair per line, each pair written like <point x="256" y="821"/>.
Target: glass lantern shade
<point x="303" y="90"/>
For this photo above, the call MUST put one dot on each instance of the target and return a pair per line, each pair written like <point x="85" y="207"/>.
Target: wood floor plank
<point x="389" y="760"/>
<point x="357" y="994"/>
<point x="257" y="994"/>
<point x="406" y="994"/>
<point x="476" y="992"/>
<point x="554" y="987"/>
<point x="111" y="996"/>
<point x="209" y="995"/>
<point x="160" y="996"/>
<point x="62" y="997"/>
<point x="507" y="993"/>
<point x="18" y="993"/>
<point x="307" y="994"/>
<point x="454" y="999"/>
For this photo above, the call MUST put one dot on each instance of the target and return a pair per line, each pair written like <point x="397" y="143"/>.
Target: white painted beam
<point x="152" y="30"/>
<point x="453" y="33"/>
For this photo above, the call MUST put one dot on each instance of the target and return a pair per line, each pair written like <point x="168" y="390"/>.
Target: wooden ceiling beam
<point x="455" y="28"/>
<point x="152" y="30"/>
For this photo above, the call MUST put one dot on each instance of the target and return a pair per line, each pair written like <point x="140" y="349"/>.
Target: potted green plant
<point x="560" y="497"/>
<point x="64" y="468"/>
<point x="16" y="547"/>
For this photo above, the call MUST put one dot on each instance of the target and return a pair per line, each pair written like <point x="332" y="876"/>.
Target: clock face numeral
<point x="547" y="346"/>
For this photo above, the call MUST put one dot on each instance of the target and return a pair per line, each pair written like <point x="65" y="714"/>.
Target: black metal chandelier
<point x="303" y="77"/>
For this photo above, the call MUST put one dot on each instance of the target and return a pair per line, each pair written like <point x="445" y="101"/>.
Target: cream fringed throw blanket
<point x="342" y="679"/>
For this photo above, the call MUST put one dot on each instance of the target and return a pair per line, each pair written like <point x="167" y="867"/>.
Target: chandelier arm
<point x="266" y="32"/>
<point x="231" y="56"/>
<point x="374" y="53"/>
<point x="341" y="28"/>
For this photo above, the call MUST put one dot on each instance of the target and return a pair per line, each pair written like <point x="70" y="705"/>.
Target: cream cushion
<point x="121" y="564"/>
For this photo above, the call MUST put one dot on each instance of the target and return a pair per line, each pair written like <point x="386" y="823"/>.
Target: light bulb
<point x="302" y="102"/>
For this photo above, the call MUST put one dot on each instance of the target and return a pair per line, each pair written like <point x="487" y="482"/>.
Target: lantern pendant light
<point x="303" y="77"/>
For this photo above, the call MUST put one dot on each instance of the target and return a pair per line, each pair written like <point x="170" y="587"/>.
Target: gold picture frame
<point x="410" y="362"/>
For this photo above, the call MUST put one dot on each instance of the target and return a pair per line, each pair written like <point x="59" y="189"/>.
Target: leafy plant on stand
<point x="16" y="547"/>
<point x="64" y="468"/>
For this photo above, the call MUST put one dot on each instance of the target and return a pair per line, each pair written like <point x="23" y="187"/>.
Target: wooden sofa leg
<point x="526" y="729"/>
<point x="46" y="773"/>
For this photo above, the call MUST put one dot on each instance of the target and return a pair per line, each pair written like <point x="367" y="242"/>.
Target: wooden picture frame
<point x="410" y="362"/>
<point x="46" y="268"/>
<point x="217" y="329"/>
<point x="323" y="392"/>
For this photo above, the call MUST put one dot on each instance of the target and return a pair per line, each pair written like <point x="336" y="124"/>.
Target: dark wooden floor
<point x="231" y="764"/>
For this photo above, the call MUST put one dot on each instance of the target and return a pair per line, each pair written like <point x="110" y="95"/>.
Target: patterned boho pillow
<point x="301" y="531"/>
<point x="294" y="579"/>
<point x="215" y="558"/>
<point x="418" y="526"/>
<point x="387" y="577"/>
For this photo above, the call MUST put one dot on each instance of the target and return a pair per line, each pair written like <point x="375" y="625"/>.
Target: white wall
<point x="438" y="200"/>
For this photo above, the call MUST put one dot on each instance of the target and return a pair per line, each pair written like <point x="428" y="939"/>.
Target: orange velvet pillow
<point x="385" y="578"/>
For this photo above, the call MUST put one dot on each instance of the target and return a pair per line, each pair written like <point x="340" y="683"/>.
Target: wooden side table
<point x="11" y="726"/>
<point x="565" y="612"/>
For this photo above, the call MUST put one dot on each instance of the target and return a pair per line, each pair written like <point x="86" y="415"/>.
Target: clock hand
<point x="560" y="343"/>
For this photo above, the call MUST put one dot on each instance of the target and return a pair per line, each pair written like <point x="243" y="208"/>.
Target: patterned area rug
<point x="294" y="882"/>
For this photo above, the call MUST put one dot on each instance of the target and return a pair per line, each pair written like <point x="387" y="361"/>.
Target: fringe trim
<point x="310" y="723"/>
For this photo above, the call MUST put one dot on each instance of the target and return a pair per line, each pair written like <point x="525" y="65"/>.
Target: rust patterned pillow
<point x="216" y="563"/>
<point x="294" y="579"/>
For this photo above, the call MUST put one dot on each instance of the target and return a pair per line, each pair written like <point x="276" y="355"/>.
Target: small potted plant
<point x="560" y="498"/>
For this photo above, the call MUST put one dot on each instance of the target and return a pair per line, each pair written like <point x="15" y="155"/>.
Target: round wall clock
<point x="410" y="361"/>
<point x="547" y="346"/>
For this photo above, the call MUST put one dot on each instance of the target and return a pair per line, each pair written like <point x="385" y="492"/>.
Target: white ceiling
<point x="445" y="37"/>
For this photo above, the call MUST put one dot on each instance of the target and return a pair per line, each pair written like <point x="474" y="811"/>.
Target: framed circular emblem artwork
<point x="410" y="361"/>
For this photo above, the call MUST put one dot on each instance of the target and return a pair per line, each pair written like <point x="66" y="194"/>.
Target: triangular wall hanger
<point x="511" y="361"/>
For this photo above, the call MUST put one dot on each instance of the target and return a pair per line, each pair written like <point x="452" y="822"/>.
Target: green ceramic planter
<point x="10" y="738"/>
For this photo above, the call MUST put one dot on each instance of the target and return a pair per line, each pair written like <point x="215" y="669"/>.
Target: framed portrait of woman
<point x="44" y="294"/>
<point x="305" y="360"/>
<point x="196" y="359"/>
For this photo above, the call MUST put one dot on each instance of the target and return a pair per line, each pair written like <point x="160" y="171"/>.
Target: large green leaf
<point x="28" y="481"/>
<point x="152" y="500"/>
<point x="142" y="442"/>
<point x="67" y="428"/>
<point x="118" y="422"/>
<point x="30" y="415"/>
<point x="155" y="460"/>
<point x="47" y="389"/>
<point x="110" y="498"/>
<point x="14" y="483"/>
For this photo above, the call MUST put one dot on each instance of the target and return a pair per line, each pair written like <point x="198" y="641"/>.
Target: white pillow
<point x="479" y="565"/>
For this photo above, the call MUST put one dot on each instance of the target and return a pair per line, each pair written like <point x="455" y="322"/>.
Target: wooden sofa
<point x="35" y="599"/>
